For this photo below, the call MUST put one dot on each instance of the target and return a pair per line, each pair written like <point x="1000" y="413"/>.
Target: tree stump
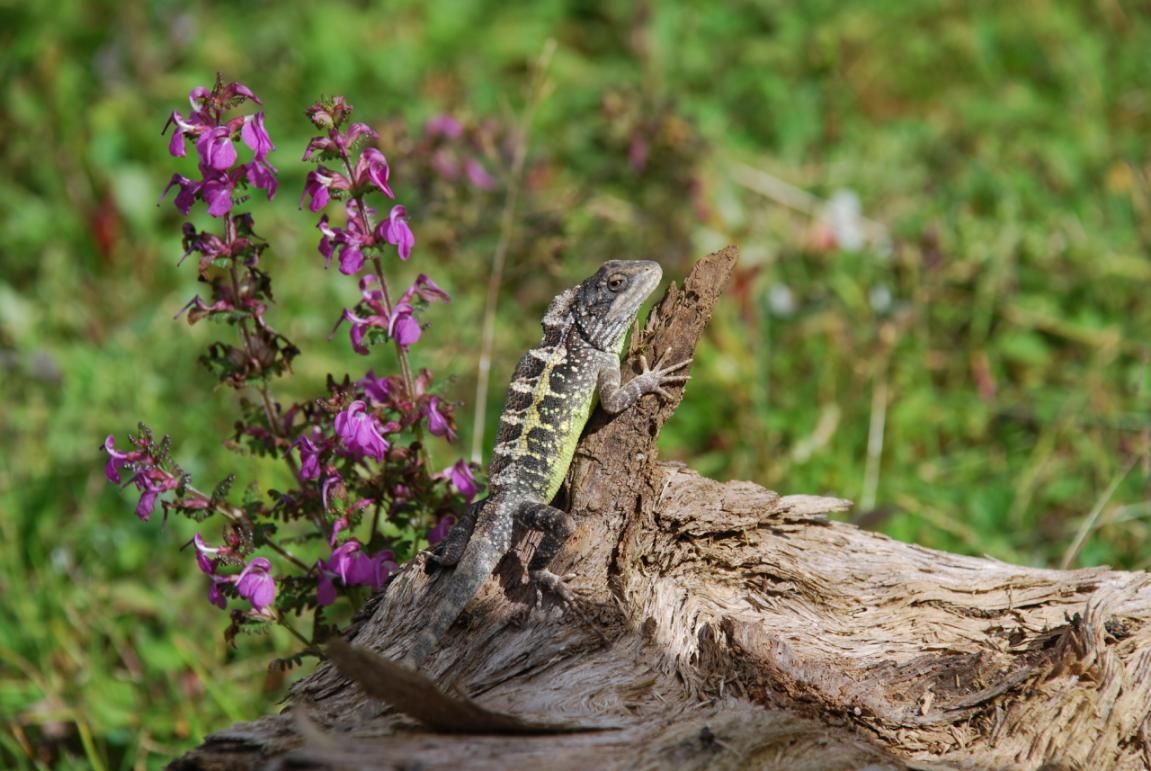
<point x="721" y="625"/>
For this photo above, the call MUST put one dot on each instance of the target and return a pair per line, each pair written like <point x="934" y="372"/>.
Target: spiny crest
<point x="559" y="311"/>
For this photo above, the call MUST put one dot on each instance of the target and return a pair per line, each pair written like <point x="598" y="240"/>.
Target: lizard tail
<point x="464" y="581"/>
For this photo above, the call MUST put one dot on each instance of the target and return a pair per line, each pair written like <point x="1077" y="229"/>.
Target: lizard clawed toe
<point x="545" y="580"/>
<point x="672" y="367"/>
<point x="659" y="375"/>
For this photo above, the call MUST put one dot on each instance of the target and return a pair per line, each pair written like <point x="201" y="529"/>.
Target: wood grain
<point x="725" y="626"/>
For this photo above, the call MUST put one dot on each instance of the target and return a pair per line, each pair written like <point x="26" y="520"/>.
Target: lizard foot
<point x="545" y="580"/>
<point x="659" y="375"/>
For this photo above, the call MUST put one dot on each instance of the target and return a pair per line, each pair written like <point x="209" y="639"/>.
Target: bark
<point x="721" y="625"/>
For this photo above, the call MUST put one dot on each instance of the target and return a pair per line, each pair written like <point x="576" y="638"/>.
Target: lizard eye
<point x="616" y="282"/>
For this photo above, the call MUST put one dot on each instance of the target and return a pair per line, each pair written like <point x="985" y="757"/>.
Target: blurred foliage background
<point x="957" y="341"/>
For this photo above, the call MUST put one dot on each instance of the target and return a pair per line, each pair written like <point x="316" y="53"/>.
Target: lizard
<point x="551" y="395"/>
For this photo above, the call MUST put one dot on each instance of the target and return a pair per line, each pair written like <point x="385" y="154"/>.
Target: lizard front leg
<point x="615" y="398"/>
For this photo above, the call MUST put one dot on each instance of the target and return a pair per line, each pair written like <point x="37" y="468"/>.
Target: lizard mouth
<point x="648" y="276"/>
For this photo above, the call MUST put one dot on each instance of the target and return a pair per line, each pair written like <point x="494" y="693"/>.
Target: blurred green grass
<point x="999" y="343"/>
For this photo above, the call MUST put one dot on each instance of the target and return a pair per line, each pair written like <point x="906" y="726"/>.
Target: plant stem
<point x="375" y="521"/>
<point x="1088" y="525"/>
<point x="239" y="516"/>
<point x="289" y="556"/>
<point x="536" y="93"/>
<point x="292" y="630"/>
<point x="401" y="354"/>
<point x="265" y="396"/>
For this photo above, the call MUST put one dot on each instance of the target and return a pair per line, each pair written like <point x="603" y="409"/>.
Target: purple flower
<point x="187" y="195"/>
<point x="357" y="130"/>
<point x="176" y="147"/>
<point x="330" y="238"/>
<point x="400" y="324"/>
<point x="438" y="425"/>
<point x="359" y="329"/>
<point x="349" y="242"/>
<point x="397" y="233"/>
<point x="444" y="125"/>
<point x="255" y="583"/>
<point x="374" y="166"/>
<point x="262" y="176"/>
<point x="150" y="479"/>
<point x="309" y="458"/>
<point x="209" y="245"/>
<point x="344" y="558"/>
<point x="317" y="187"/>
<point x="241" y="90"/>
<point x="372" y="300"/>
<point x="208" y="567"/>
<point x="426" y="289"/>
<point x="478" y="175"/>
<point x="117" y="460"/>
<point x="216" y="149"/>
<point x="214" y="140"/>
<point x="351" y="259"/>
<point x="637" y="153"/>
<point x="150" y="492"/>
<point x="330" y="481"/>
<point x="441" y="530"/>
<point x="338" y="526"/>
<point x="196" y="124"/>
<point x="198" y="98"/>
<point x="217" y="192"/>
<point x="460" y="475"/>
<point x="375" y="388"/>
<point x="360" y="432"/>
<point x="215" y="144"/>
<point x="256" y="136"/>
<point x="216" y="595"/>
<point x="402" y="327"/>
<point x="349" y="564"/>
<point x="446" y="164"/>
<point x="337" y="142"/>
<point x="325" y="588"/>
<point x="372" y="570"/>
<point x="202" y="551"/>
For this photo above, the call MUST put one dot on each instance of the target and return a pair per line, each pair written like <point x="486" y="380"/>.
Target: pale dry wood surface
<point x="721" y="625"/>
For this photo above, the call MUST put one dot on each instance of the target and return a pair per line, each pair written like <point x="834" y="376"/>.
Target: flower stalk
<point x="358" y="447"/>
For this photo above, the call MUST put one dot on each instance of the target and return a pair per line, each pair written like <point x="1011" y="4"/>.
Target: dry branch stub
<point x="721" y="625"/>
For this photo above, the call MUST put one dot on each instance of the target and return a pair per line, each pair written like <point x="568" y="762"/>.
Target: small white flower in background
<point x="880" y="298"/>
<point x="843" y="215"/>
<point x="781" y="300"/>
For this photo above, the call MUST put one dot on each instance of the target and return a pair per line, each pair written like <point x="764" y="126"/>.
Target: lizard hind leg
<point x="557" y="526"/>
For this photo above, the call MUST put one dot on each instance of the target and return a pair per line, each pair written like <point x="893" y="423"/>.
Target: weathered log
<point x="725" y="626"/>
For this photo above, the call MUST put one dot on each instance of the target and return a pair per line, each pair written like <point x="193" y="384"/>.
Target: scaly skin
<point x="551" y="395"/>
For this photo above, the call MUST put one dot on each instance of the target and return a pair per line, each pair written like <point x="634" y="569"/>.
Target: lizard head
<point x="606" y="304"/>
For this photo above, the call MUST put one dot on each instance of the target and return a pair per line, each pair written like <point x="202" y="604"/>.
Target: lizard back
<point x="548" y="402"/>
